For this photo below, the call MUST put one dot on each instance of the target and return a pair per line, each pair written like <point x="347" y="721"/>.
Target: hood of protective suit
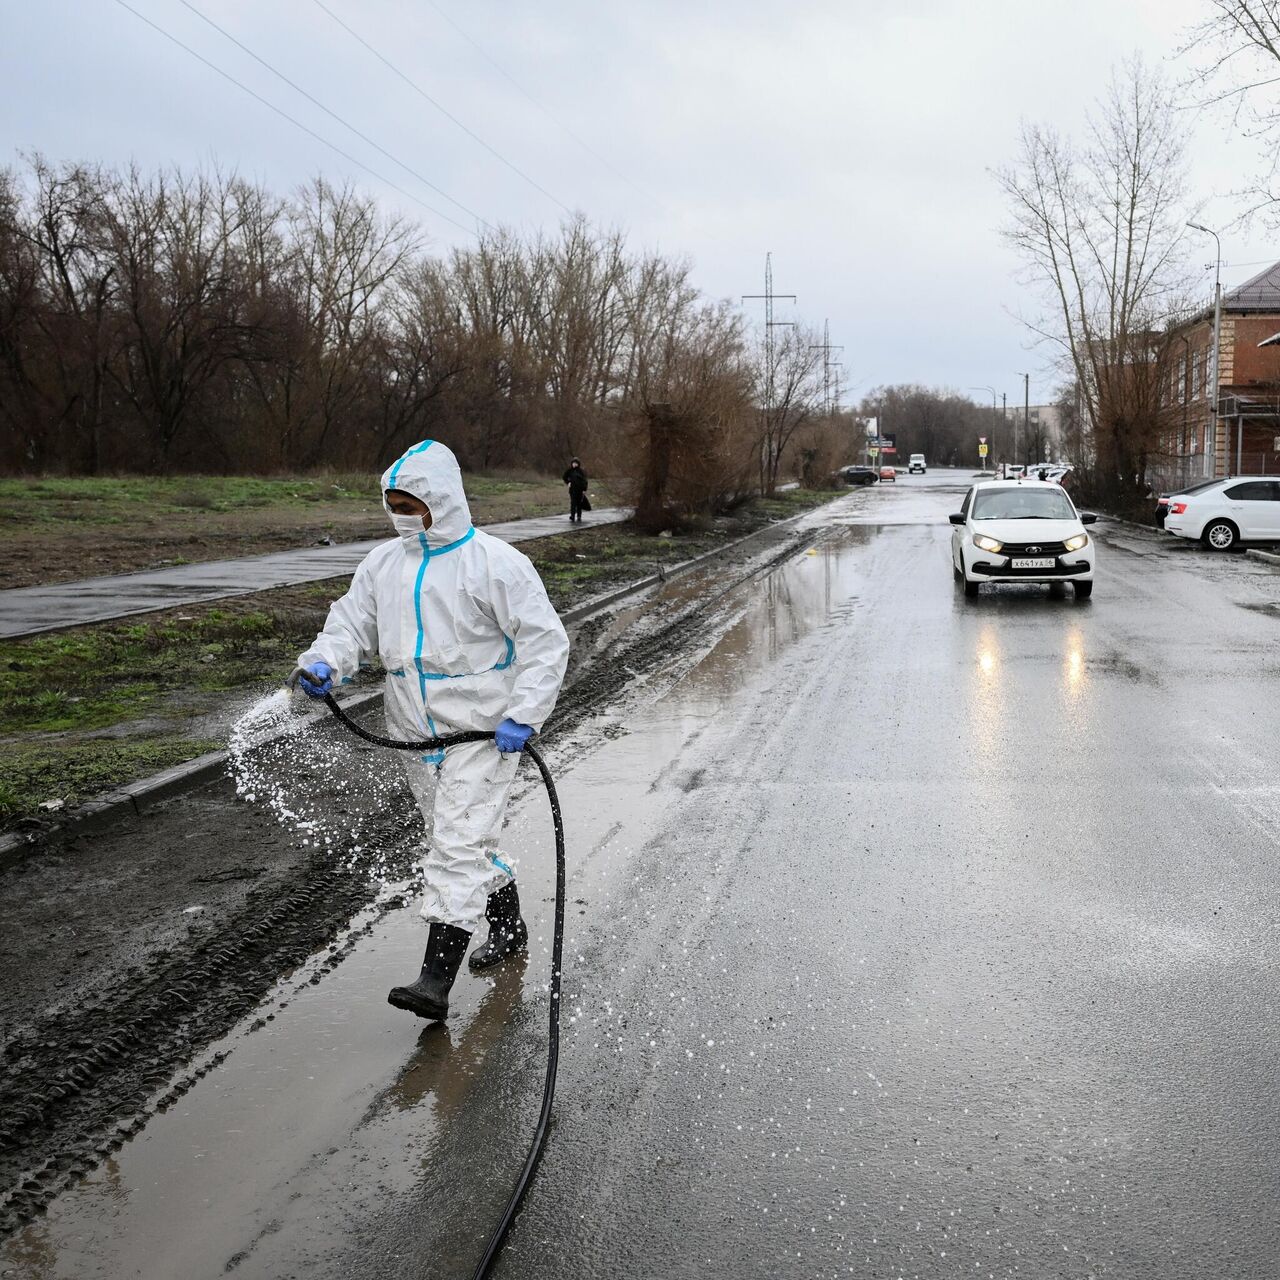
<point x="429" y="471"/>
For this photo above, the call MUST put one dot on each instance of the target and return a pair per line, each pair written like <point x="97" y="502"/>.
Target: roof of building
<point x="1261" y="293"/>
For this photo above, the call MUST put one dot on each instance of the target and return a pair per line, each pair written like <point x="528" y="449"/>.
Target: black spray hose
<point x="557" y="947"/>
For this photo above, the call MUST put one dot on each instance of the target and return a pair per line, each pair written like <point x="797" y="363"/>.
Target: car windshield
<point x="1026" y="502"/>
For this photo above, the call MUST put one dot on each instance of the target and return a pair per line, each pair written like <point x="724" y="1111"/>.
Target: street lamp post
<point x="1211" y="449"/>
<point x="993" y="419"/>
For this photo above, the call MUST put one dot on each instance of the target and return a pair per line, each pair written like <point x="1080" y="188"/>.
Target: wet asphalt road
<point x="911" y="936"/>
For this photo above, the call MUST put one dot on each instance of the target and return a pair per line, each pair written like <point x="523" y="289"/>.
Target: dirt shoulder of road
<point x="61" y="529"/>
<point x="100" y="706"/>
<point x="130" y="948"/>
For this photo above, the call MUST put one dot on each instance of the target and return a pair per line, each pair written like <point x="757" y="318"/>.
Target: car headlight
<point x="983" y="543"/>
<point x="1074" y="544"/>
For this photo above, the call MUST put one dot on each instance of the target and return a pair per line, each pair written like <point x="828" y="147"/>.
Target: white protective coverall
<point x="468" y="638"/>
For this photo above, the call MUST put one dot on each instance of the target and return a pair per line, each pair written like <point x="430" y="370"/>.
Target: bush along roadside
<point x="97" y="707"/>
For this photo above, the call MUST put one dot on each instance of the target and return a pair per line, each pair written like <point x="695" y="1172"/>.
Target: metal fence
<point x="1167" y="475"/>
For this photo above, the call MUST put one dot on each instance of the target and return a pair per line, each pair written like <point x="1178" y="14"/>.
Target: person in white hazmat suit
<point x="469" y="640"/>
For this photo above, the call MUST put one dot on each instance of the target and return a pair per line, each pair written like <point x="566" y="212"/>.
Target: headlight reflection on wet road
<point x="987" y="698"/>
<point x="1075" y="675"/>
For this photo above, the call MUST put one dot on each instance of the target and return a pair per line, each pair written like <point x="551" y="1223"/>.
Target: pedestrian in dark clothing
<point x="576" y="479"/>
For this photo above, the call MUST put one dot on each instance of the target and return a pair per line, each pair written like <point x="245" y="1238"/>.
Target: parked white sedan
<point x="1227" y="513"/>
<point x="1021" y="531"/>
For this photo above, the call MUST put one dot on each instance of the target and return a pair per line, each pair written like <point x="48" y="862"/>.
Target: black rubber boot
<point x="429" y="996"/>
<point x="507" y="932"/>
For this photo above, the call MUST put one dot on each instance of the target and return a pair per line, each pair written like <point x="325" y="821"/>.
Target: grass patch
<point x="113" y="499"/>
<point x="33" y="774"/>
<point x="83" y="711"/>
<point x="96" y="677"/>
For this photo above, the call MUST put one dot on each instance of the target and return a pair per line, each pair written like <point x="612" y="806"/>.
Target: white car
<point x="1021" y="531"/>
<point x="915" y="464"/>
<point x="1054" y="472"/>
<point x="1227" y="513"/>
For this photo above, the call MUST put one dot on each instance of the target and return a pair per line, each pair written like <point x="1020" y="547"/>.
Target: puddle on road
<point x="329" y="1103"/>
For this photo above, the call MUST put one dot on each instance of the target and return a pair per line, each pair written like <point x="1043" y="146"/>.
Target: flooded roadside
<point x="326" y="1103"/>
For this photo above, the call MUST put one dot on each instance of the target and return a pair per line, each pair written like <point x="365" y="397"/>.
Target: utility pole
<point x="770" y="324"/>
<point x="1026" y="415"/>
<point x="826" y="348"/>
<point x="1004" y="425"/>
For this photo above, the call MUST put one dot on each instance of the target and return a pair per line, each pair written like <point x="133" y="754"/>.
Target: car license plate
<point x="1045" y="562"/>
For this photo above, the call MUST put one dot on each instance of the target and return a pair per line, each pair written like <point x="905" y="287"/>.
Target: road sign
<point x="982" y="450"/>
<point x="982" y="439"/>
<point x="874" y="450"/>
<point x="888" y="448"/>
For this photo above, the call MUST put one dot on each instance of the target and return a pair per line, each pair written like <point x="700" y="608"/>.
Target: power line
<point x="826" y="348"/>
<point x="770" y="324"/>
<point x="346" y="124"/>
<point x="551" y="115"/>
<point x="333" y="146"/>
<point x="422" y="93"/>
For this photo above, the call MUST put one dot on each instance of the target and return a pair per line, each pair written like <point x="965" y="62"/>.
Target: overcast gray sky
<point x="852" y="139"/>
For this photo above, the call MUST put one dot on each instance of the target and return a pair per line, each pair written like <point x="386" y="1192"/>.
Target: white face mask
<point x="407" y="526"/>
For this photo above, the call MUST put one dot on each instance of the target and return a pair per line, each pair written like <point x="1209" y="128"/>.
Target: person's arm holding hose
<point x="520" y="606"/>
<point x="349" y="637"/>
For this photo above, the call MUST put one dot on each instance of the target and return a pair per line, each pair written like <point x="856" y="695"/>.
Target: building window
<point x="1180" y="380"/>
<point x="1196" y="383"/>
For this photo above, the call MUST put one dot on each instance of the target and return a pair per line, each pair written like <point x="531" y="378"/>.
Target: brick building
<point x="1243" y="435"/>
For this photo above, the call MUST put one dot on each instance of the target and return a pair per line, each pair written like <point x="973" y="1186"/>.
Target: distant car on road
<point x="916" y="463"/>
<point x="1055" y="473"/>
<point x="1021" y="531"/>
<point x="859" y="475"/>
<point x="1226" y="513"/>
<point x="888" y="473"/>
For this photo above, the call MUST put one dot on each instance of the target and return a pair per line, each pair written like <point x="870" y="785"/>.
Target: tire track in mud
<point x="79" y="1085"/>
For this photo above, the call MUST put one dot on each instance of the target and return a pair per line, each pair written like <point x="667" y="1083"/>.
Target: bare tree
<point x="1098" y="226"/>
<point x="694" y="407"/>
<point x="62" y="287"/>
<point x="1236" y="46"/>
<point x="942" y="424"/>
<point x="789" y="394"/>
<point x="150" y="321"/>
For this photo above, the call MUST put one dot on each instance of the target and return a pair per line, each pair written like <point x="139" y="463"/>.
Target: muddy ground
<point x="127" y="951"/>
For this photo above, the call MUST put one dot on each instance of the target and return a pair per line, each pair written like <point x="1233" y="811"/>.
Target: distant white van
<point x="915" y="464"/>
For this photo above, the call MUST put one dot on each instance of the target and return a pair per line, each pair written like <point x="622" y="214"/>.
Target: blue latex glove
<point x="511" y="736"/>
<point x="317" y="680"/>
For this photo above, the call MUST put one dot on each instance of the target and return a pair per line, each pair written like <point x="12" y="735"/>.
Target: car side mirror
<point x="957" y="517"/>
<point x="1088" y="517"/>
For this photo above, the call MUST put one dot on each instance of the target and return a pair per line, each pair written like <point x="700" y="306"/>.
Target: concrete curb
<point x="1269" y="556"/>
<point x="140" y="796"/>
